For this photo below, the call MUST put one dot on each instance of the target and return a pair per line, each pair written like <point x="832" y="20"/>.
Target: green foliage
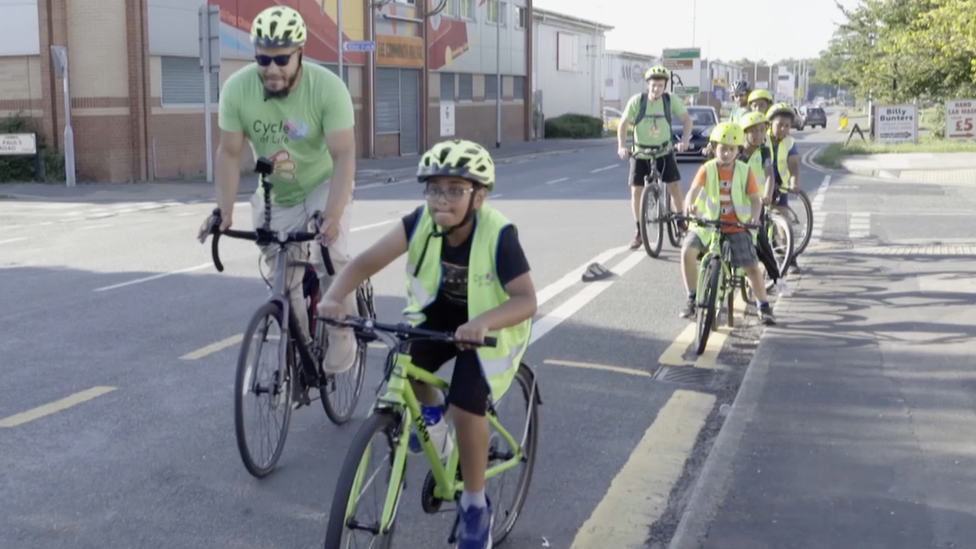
<point x="574" y="126"/>
<point x="21" y="168"/>
<point x="899" y="50"/>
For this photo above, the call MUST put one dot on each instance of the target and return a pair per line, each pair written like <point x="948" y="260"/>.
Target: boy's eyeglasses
<point x="280" y="60"/>
<point x="452" y="194"/>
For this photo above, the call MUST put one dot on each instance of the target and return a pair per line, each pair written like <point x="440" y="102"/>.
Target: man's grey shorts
<point x="743" y="248"/>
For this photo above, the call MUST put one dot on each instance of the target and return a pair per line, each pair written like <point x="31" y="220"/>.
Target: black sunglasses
<point x="280" y="60"/>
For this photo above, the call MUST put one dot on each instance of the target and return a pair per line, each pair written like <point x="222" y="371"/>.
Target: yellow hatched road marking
<point x="638" y="495"/>
<point x="56" y="406"/>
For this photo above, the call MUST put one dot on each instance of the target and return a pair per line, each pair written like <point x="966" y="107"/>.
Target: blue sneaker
<point x="474" y="532"/>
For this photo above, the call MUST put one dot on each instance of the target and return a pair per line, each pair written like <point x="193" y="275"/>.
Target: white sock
<point x="469" y="499"/>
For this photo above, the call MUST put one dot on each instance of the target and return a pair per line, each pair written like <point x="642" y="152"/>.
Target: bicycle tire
<point x="707" y="305"/>
<point x="730" y="302"/>
<point x="524" y="379"/>
<point x="674" y="233"/>
<point x="378" y="422"/>
<point x="809" y="230"/>
<point x="651" y="192"/>
<point x="267" y="310"/>
<point x="366" y="310"/>
<point x="778" y="220"/>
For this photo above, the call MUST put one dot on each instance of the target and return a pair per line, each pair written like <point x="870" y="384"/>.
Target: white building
<point x="567" y="64"/>
<point x="623" y="76"/>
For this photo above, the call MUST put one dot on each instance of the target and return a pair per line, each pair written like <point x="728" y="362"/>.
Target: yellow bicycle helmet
<point x="657" y="73"/>
<point x="751" y="119"/>
<point x="728" y="133"/>
<point x="458" y="158"/>
<point x="760" y="94"/>
<point x="278" y="27"/>
<point x="778" y="109"/>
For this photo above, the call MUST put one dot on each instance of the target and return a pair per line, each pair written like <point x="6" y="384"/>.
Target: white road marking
<point x="819" y="216"/>
<point x="153" y="277"/>
<point x="372" y="225"/>
<point x="554" y="181"/>
<point x="12" y="240"/>
<point x="860" y="226"/>
<point x="605" y="168"/>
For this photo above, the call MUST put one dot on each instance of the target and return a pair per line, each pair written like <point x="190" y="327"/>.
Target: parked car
<point x="703" y="119"/>
<point x="798" y="120"/>
<point x="814" y="116"/>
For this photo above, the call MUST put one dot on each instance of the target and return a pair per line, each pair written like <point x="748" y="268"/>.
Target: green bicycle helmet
<point x="728" y="133"/>
<point x="278" y="27"/>
<point x="760" y="94"/>
<point x="458" y="158"/>
<point x="657" y="73"/>
<point x="780" y="109"/>
<point x="751" y="119"/>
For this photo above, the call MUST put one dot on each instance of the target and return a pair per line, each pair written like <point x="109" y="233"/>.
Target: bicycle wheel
<point x="802" y="237"/>
<point x="707" y="304"/>
<point x="356" y="474"/>
<point x="651" y="225"/>
<point x="781" y="239"/>
<point x="277" y="387"/>
<point x="528" y="402"/>
<point x="675" y="234"/>
<point x="340" y="392"/>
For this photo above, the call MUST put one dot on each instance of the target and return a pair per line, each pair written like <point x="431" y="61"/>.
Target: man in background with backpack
<point x="650" y="114"/>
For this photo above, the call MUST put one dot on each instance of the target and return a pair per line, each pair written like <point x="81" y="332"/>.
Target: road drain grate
<point x="685" y="374"/>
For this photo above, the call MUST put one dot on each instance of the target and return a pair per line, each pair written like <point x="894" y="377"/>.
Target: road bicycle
<point x="717" y="280"/>
<point x="655" y="205"/>
<point x="298" y="368"/>
<point x="803" y="224"/>
<point x="392" y="415"/>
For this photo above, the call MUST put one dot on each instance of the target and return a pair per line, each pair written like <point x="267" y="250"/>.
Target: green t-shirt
<point x="290" y="132"/>
<point x="653" y="130"/>
<point x="737" y="112"/>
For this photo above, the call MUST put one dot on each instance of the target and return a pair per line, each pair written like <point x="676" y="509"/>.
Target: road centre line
<point x="605" y="168"/>
<point x="56" y="406"/>
<point x="638" y="495"/>
<point x="542" y="296"/>
<point x="554" y="181"/>
<point x="12" y="240"/>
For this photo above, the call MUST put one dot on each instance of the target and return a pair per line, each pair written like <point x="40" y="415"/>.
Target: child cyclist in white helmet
<point x="467" y="274"/>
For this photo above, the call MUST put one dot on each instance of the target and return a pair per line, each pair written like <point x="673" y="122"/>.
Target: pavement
<point x="957" y="167"/>
<point x="853" y="425"/>
<point x="119" y="355"/>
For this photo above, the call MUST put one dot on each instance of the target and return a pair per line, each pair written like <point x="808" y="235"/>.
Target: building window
<point x="465" y="87"/>
<point x="491" y="87"/>
<point x="518" y="88"/>
<point x="450" y="7"/>
<point x="567" y="52"/>
<point x="494" y="6"/>
<point x="182" y="82"/>
<point x="467" y="9"/>
<point x="520" y="13"/>
<point x="447" y="86"/>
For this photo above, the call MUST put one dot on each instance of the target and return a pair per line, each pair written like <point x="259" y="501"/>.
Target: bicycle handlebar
<point x="402" y="331"/>
<point x="715" y="222"/>
<point x="264" y="235"/>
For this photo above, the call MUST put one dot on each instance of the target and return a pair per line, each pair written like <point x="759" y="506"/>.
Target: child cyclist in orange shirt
<point x="725" y="188"/>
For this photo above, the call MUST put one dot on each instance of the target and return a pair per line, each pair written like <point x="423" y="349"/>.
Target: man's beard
<point x="282" y="93"/>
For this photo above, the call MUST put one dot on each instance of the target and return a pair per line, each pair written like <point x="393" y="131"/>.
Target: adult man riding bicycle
<point x="300" y="116"/>
<point x="653" y="129"/>
<point x="740" y="93"/>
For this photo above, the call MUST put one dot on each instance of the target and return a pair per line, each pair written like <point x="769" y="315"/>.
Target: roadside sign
<point x="367" y="45"/>
<point x="18" y="144"/>
<point x="685" y="64"/>
<point x="896" y="123"/>
<point x="960" y="117"/>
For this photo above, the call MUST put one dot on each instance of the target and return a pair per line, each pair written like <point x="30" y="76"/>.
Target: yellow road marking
<point x="638" y="495"/>
<point x="674" y="355"/>
<point x="213" y="348"/>
<point x="593" y="366"/>
<point x="56" y="406"/>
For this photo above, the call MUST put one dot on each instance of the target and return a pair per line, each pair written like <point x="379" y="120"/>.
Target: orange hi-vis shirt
<point x="725" y="193"/>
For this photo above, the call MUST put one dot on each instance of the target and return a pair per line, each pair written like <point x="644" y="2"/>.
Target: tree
<point x="898" y="50"/>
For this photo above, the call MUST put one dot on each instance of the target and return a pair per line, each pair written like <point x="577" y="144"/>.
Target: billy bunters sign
<point x="896" y="124"/>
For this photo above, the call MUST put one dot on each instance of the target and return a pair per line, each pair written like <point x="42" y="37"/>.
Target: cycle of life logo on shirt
<point x="282" y="132"/>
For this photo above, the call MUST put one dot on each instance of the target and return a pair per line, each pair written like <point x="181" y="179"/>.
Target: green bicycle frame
<point x="401" y="399"/>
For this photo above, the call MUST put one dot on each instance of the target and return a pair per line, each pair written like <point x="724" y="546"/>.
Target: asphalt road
<point x="111" y="295"/>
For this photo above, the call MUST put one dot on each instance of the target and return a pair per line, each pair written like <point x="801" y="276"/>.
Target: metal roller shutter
<point x="409" y="111"/>
<point x="182" y="82"/>
<point x="387" y="100"/>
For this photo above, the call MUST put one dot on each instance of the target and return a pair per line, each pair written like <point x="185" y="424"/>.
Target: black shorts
<point x="667" y="166"/>
<point x="469" y="390"/>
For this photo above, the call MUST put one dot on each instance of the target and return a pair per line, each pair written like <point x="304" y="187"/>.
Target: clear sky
<point x="725" y="29"/>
